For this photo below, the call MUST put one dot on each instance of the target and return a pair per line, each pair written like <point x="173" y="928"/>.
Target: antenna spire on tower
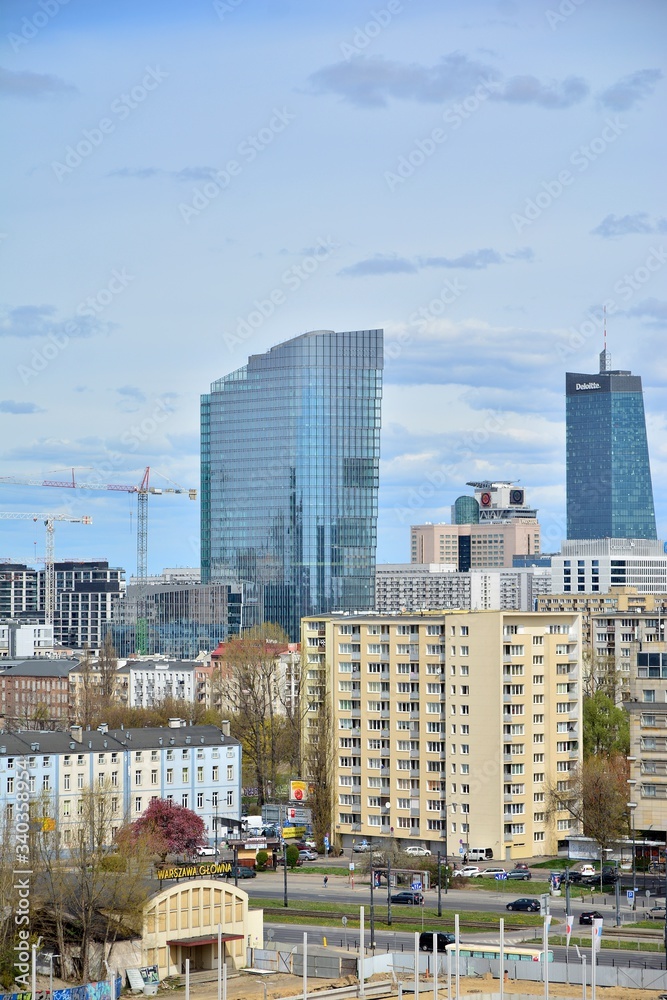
<point x="605" y="356"/>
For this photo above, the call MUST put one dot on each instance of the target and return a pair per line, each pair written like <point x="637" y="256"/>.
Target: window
<point x="137" y="777"/>
<point x="200" y="774"/>
<point x="230" y="772"/>
<point x="170" y="775"/>
<point x="230" y="798"/>
<point x="538" y="758"/>
<point x="66" y="807"/>
<point x="185" y="800"/>
<point x="66" y="783"/>
<point x="137" y="804"/>
<point x="154" y="780"/>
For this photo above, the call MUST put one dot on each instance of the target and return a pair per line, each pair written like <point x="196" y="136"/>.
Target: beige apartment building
<point x="474" y="546"/>
<point x="448" y="726"/>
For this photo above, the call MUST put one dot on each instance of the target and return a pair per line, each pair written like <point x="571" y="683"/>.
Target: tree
<point x="319" y="767"/>
<point x="601" y="674"/>
<point x="77" y="898"/>
<point x="595" y="796"/>
<point x="251" y="690"/>
<point x="606" y="727"/>
<point x="89" y="696"/>
<point x="292" y="855"/>
<point x="108" y="665"/>
<point x="171" y="828"/>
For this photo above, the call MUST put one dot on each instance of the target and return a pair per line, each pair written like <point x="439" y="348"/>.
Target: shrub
<point x="262" y="858"/>
<point x="292" y="856"/>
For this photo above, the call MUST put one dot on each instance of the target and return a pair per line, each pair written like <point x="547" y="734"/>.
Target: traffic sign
<point x="461" y="850"/>
<point x="351" y="866"/>
<point x="501" y="876"/>
<point x="631" y="895"/>
<point x="416" y="886"/>
<point x="344" y="921"/>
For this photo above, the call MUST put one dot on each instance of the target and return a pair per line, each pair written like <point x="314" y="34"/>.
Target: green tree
<point x="606" y="727"/>
<point x="292" y="855"/>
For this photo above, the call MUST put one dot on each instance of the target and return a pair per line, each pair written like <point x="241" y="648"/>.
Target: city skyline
<point x="191" y="190"/>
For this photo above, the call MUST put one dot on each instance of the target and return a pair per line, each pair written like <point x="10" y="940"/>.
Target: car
<point x="587" y="870"/>
<point x="657" y="912"/>
<point x="600" y="878"/>
<point x="426" y="940"/>
<point x="308" y="855"/>
<point x="361" y="847"/>
<point x="206" y="852"/>
<point x="492" y="872"/>
<point x="241" y="871"/>
<point x="526" y="904"/>
<point x="407" y="896"/>
<point x="519" y="874"/>
<point x="573" y="877"/>
<point x="415" y="851"/>
<point x="470" y="871"/>
<point x="588" y="916"/>
<point x="521" y="865"/>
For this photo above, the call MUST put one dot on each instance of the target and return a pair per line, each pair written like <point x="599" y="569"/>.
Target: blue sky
<point x="191" y="183"/>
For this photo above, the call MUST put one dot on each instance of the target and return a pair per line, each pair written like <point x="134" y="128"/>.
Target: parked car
<point x="573" y="877"/>
<point x="657" y="913"/>
<point x="415" y="851"/>
<point x="205" y="852"/>
<point x="521" y="865"/>
<point x="241" y="872"/>
<point x="407" y="896"/>
<point x="492" y="872"/>
<point x="587" y="870"/>
<point x="308" y="855"/>
<point x="469" y="871"/>
<point x="588" y="916"/>
<point x="426" y="940"/>
<point x="361" y="847"/>
<point x="526" y="904"/>
<point x="519" y="874"/>
<point x="607" y="877"/>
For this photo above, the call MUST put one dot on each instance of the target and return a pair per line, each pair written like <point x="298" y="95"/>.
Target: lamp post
<point x="372" y="942"/>
<point x="50" y="957"/>
<point x="632" y="806"/>
<point x="439" y="887"/>
<point x="284" y="873"/>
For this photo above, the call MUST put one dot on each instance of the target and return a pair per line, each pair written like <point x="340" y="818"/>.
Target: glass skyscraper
<point x="290" y="449"/>
<point x="609" y="492"/>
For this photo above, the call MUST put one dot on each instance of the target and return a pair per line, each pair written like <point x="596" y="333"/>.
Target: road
<point x="292" y="934"/>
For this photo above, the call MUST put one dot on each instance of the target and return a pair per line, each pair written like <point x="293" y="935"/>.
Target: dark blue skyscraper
<point x="290" y="448"/>
<point x="609" y="493"/>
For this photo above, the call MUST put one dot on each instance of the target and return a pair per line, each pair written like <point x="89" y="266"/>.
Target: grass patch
<point x="274" y="910"/>
<point x="613" y="945"/>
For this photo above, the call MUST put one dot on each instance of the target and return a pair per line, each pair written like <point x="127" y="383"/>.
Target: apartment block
<point x="437" y="587"/>
<point x="448" y="727"/>
<point x="35" y="693"/>
<point x="647" y="710"/>
<point x="194" y="766"/>
<point x="595" y="566"/>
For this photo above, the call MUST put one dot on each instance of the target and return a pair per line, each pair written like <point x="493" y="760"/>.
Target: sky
<point x="193" y="182"/>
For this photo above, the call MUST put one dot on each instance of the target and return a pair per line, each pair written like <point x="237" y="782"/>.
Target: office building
<point x="290" y="449"/>
<point x="18" y="590"/>
<point x="608" y="476"/>
<point x="595" y="566"/>
<point x="179" y="617"/>
<point x="87" y="592"/>
<point x="448" y="727"/>
<point x="25" y="637"/>
<point x="437" y="587"/>
<point x="198" y="767"/>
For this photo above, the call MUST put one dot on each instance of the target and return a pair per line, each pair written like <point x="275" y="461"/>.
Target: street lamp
<point x="50" y="957"/>
<point x="632" y="806"/>
<point x="372" y="899"/>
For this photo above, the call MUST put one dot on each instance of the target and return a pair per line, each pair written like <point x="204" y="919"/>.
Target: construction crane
<point x="49" y="562"/>
<point x="143" y="490"/>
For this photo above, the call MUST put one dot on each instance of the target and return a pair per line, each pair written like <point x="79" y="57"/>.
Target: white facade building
<point x="595" y="566"/>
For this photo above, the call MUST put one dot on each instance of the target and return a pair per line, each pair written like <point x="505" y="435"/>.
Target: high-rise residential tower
<point x="609" y="492"/>
<point x="290" y="447"/>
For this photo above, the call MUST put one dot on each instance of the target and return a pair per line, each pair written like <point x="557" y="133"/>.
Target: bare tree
<point x="107" y="665"/>
<point x="595" y="796"/>
<point x="318" y="762"/>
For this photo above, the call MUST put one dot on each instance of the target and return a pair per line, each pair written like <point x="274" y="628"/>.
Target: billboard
<point x="299" y="790"/>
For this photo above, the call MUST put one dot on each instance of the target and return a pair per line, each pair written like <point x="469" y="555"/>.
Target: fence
<point x="559" y="972"/>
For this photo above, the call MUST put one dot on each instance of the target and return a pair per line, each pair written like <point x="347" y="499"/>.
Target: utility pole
<point x="372" y="901"/>
<point x="388" y="892"/>
<point x="439" y="887"/>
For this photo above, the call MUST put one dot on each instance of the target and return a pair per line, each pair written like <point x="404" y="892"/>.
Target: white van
<point x="480" y="854"/>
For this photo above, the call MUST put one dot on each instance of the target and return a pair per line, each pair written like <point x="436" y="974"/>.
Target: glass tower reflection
<point x="609" y="491"/>
<point x="290" y="448"/>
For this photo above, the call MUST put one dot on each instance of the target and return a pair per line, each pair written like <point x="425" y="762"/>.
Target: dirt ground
<point x="278" y="986"/>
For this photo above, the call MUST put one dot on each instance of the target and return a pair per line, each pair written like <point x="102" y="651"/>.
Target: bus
<point x="492" y="951"/>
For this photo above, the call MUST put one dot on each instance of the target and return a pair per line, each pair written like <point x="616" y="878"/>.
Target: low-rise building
<point x="198" y="767"/>
<point x="35" y="693"/>
<point x="447" y="728"/>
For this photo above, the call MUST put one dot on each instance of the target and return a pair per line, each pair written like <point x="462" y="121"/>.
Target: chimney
<point x="225" y="726"/>
<point x="174" y="723"/>
<point x="103" y="728"/>
<point x="77" y="733"/>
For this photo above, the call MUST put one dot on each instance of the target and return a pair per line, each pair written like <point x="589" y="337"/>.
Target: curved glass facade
<point x="466" y="510"/>
<point x="609" y="492"/>
<point x="290" y="449"/>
